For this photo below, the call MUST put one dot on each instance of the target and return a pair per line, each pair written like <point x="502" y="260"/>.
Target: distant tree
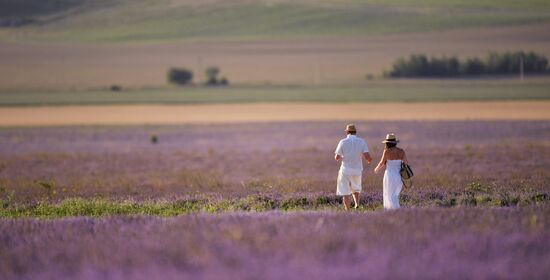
<point x="436" y="67"/>
<point x="534" y="63"/>
<point x="416" y="65"/>
<point x="212" y="75"/>
<point x="180" y="76"/>
<point x="224" y="81"/>
<point x="442" y="67"/>
<point x="497" y="63"/>
<point x="400" y="68"/>
<point x="115" y="88"/>
<point x="472" y="66"/>
<point x="452" y="66"/>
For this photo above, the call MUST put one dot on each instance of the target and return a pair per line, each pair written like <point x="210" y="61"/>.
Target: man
<point x="351" y="151"/>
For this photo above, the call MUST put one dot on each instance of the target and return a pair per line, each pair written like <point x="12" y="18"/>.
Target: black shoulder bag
<point x="406" y="174"/>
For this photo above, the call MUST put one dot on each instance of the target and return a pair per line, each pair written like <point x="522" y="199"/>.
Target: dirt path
<point x="264" y="112"/>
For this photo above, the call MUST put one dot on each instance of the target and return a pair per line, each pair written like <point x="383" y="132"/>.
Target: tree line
<point x="419" y="65"/>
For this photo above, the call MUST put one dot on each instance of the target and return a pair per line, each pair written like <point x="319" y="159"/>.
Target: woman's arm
<point x="405" y="158"/>
<point x="382" y="162"/>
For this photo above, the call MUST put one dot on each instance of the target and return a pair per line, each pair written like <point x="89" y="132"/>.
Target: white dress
<point x="392" y="184"/>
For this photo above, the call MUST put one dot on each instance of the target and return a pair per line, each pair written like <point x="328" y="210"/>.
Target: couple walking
<point x="351" y="151"/>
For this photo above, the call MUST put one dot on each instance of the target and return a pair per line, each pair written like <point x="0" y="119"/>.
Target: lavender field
<point x="456" y="243"/>
<point x="462" y="160"/>
<point x="256" y="201"/>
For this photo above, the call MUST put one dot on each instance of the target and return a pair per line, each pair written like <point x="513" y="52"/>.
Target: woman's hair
<point x="390" y="145"/>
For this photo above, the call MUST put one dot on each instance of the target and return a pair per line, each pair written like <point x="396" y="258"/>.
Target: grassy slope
<point x="144" y="20"/>
<point x="375" y="93"/>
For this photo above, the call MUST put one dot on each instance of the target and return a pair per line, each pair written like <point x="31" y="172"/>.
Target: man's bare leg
<point x="356" y="199"/>
<point x="345" y="200"/>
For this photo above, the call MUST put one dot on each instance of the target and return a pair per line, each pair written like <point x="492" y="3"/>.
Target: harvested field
<point x="240" y="113"/>
<point x="306" y="61"/>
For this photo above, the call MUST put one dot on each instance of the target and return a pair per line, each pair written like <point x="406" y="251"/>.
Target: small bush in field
<point x="115" y="88"/>
<point x="476" y="187"/>
<point x="224" y="81"/>
<point x="180" y="76"/>
<point x="49" y="187"/>
<point x="212" y="77"/>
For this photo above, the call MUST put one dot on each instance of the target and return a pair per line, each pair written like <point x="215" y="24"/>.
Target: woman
<point x="391" y="159"/>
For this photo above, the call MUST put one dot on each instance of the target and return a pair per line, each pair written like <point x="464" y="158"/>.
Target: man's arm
<point x="338" y="152"/>
<point x="367" y="157"/>
<point x="366" y="154"/>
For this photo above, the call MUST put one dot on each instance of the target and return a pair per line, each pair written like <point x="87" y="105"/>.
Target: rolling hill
<point x="168" y="20"/>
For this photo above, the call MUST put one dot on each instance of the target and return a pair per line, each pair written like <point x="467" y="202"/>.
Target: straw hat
<point x="390" y="138"/>
<point x="350" y="128"/>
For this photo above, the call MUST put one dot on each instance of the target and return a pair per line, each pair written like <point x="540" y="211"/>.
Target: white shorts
<point x="348" y="184"/>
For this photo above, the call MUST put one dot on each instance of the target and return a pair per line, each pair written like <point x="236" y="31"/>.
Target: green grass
<point x="196" y="95"/>
<point x="98" y="207"/>
<point x="493" y="4"/>
<point x="144" y="20"/>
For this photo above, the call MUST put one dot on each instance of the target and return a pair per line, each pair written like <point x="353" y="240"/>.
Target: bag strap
<point x="405" y="184"/>
<point x="404" y="165"/>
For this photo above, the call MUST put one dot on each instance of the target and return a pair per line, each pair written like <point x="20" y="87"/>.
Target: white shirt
<point x="351" y="150"/>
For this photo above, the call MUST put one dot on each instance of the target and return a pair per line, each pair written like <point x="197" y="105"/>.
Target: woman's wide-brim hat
<point x="390" y="138"/>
